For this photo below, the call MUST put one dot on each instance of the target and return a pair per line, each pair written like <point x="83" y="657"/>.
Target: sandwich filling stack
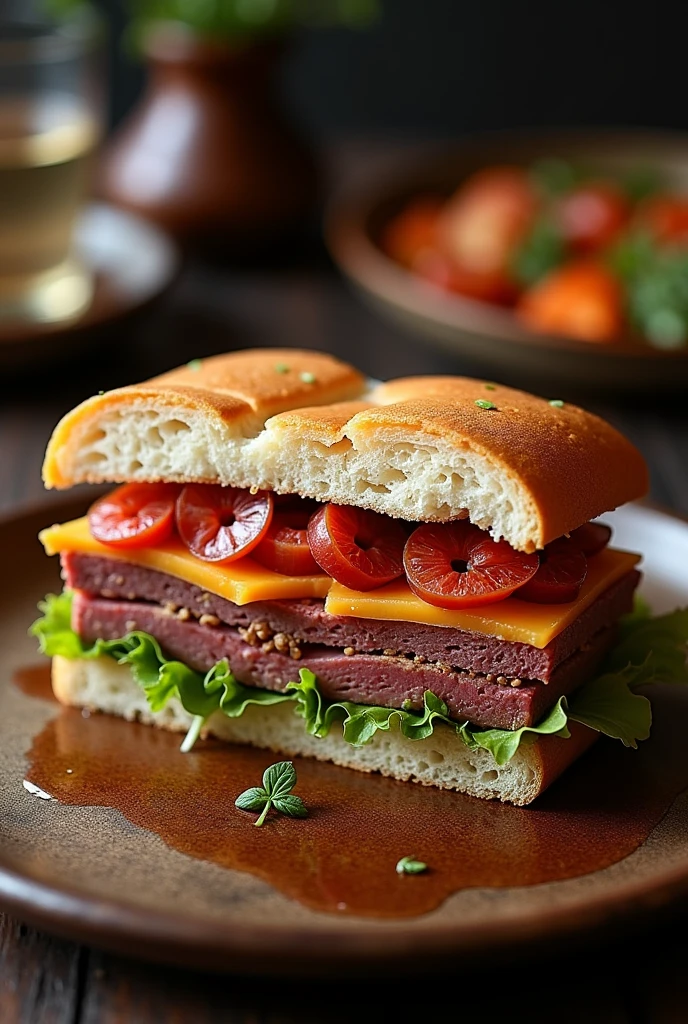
<point x="401" y="577"/>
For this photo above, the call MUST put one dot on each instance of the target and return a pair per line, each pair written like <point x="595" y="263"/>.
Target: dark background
<point x="437" y="68"/>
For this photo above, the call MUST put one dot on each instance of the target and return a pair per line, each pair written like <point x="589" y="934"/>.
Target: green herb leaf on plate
<point x="410" y="866"/>
<point x="278" y="781"/>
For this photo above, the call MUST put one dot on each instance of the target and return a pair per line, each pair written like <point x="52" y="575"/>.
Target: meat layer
<point x="308" y="621"/>
<point x="365" y="678"/>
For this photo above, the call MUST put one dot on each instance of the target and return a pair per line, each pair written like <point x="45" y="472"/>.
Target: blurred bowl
<point x="489" y="336"/>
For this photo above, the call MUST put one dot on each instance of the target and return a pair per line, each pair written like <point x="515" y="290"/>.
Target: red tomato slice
<point x="134" y="515"/>
<point x="219" y="524"/>
<point x="457" y="565"/>
<point x="562" y="570"/>
<point x="284" y="548"/>
<point x="592" y="216"/>
<point x="358" y="548"/>
<point x="591" y="537"/>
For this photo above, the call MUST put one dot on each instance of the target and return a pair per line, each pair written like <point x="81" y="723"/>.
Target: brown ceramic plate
<point x="133" y="262"/>
<point x="489" y="336"/>
<point x="141" y="849"/>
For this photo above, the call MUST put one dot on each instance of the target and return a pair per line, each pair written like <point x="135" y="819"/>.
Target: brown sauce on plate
<point x="342" y="858"/>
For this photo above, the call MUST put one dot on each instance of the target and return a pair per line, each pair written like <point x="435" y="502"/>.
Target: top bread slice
<point x="418" y="448"/>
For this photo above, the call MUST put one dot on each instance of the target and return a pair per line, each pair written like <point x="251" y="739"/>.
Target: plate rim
<point x="260" y="949"/>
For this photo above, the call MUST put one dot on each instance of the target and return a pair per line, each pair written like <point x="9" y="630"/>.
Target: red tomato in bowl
<point x="666" y="218"/>
<point x="458" y="565"/>
<point x="591" y="216"/>
<point x="483" y="222"/>
<point x="219" y="524"/>
<point x="580" y="300"/>
<point x="412" y="231"/>
<point x="358" y="548"/>
<point x="134" y="515"/>
<point x="437" y="268"/>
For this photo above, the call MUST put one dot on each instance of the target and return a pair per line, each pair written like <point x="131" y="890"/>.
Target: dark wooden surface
<point x="301" y="301"/>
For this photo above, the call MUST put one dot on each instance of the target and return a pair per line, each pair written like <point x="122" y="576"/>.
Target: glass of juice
<point x="51" y="117"/>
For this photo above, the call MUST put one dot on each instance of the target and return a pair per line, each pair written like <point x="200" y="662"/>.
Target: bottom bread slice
<point x="441" y="760"/>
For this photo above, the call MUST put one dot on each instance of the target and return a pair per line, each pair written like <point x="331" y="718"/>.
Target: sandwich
<point x="403" y="577"/>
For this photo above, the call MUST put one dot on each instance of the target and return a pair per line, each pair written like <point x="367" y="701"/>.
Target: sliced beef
<point x="364" y="678"/>
<point x="308" y="620"/>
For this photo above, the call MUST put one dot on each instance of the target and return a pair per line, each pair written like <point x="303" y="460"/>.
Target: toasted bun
<point x="442" y="760"/>
<point x="418" y="448"/>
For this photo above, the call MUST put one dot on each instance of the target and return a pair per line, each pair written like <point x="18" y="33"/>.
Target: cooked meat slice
<point x="308" y="620"/>
<point x="364" y="678"/>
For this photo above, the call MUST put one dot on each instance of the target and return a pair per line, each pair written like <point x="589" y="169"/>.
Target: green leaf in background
<point x="553" y="176"/>
<point x="642" y="182"/>
<point x="541" y="250"/>
<point x="656" y="284"/>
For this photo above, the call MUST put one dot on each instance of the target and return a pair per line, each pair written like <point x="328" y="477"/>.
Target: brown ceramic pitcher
<point x="208" y="152"/>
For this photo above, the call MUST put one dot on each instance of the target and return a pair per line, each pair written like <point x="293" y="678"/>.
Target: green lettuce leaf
<point x="160" y="678"/>
<point x="360" y="722"/>
<point x="609" y="705"/>
<point x="650" y="650"/>
<point x="503" y="743"/>
<point x="657" y="644"/>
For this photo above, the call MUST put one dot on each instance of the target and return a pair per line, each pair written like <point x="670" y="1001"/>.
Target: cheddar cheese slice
<point x="245" y="580"/>
<point x="515" y="620"/>
<point x="242" y="581"/>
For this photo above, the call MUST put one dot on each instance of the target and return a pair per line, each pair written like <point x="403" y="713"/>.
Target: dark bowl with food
<point x="551" y="259"/>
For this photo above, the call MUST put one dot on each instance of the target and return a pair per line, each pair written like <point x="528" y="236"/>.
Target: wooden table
<point x="212" y="309"/>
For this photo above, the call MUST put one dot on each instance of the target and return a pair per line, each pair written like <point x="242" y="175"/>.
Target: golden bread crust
<point x="573" y="464"/>
<point x="267" y="380"/>
<point x="240" y="389"/>
<point x="417" y="448"/>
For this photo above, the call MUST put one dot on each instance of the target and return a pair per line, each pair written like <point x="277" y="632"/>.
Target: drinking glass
<point x="51" y="116"/>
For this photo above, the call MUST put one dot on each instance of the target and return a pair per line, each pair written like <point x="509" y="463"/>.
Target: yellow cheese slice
<point x="515" y="620"/>
<point x="242" y="581"/>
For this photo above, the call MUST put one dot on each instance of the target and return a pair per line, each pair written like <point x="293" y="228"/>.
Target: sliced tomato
<point x="285" y="548"/>
<point x="582" y="300"/>
<point x="591" y="537"/>
<point x="560" y="575"/>
<point x="590" y="217"/>
<point x="134" y="515"/>
<point x="457" y="565"/>
<point x="358" y="548"/>
<point x="219" y="524"/>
